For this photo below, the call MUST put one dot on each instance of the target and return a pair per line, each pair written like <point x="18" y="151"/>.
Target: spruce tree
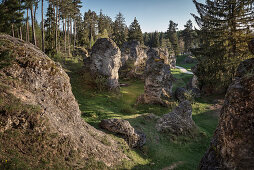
<point x="135" y="32"/>
<point x="187" y="35"/>
<point x="224" y="33"/>
<point x="120" y="30"/>
<point x="172" y="36"/>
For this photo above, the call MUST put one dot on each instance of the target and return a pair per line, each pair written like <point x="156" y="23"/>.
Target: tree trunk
<point x="27" y="27"/>
<point x="20" y="32"/>
<point x="12" y="30"/>
<point x="33" y="28"/>
<point x="65" y="35"/>
<point x="56" y="27"/>
<point x="68" y="42"/>
<point x="74" y="33"/>
<point x="42" y="28"/>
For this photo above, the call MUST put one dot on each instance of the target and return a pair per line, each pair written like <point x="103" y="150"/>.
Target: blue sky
<point x="151" y="14"/>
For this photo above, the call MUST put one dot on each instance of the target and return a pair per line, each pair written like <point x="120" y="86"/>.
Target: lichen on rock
<point x="54" y="127"/>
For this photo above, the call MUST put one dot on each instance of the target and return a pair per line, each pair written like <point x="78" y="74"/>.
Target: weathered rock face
<point x="233" y="142"/>
<point x="177" y="122"/>
<point x="251" y="46"/>
<point x="105" y="62"/>
<point x="180" y="94"/>
<point x="37" y="105"/>
<point x="134" y="138"/>
<point x="133" y="60"/>
<point x="158" y="79"/>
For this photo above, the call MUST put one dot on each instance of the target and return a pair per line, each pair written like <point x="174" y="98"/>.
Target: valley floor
<point x="161" y="151"/>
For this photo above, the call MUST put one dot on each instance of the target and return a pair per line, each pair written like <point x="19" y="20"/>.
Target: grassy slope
<point x="180" y="62"/>
<point x="160" y="150"/>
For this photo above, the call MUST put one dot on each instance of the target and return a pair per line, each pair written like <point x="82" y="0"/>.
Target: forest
<point x="82" y="90"/>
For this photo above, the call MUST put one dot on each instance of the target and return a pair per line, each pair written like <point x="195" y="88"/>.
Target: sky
<point x="153" y="15"/>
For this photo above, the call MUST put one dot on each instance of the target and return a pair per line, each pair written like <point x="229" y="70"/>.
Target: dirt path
<point x="183" y="70"/>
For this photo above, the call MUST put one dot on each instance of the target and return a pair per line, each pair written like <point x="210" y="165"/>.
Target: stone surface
<point x="177" y="122"/>
<point x="251" y="46"/>
<point x="180" y="94"/>
<point x="158" y="79"/>
<point x="41" y="110"/>
<point x="233" y="141"/>
<point x="133" y="138"/>
<point x="133" y="60"/>
<point x="105" y="62"/>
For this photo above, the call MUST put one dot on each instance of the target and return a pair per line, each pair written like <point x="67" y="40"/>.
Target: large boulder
<point x="120" y="126"/>
<point x="105" y="62"/>
<point x="233" y="141"/>
<point x="133" y="59"/>
<point x="177" y="122"/>
<point x="40" y="121"/>
<point x="158" y="79"/>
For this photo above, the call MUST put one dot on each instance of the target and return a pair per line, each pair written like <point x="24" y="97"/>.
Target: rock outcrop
<point x="180" y="94"/>
<point x="133" y="137"/>
<point x="105" y="62"/>
<point x="177" y="122"/>
<point x="158" y="79"/>
<point x="133" y="60"/>
<point x="233" y="141"/>
<point x="40" y="120"/>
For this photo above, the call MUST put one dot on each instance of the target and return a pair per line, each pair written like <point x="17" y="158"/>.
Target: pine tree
<point x="120" y="30"/>
<point x="50" y="30"/>
<point x="135" y="32"/>
<point x="11" y="16"/>
<point x="224" y="33"/>
<point x="90" y="24"/>
<point x="172" y="36"/>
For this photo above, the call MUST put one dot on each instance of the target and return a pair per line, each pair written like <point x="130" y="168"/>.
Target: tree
<point x="10" y="16"/>
<point x="90" y="24"/>
<point x="105" y="23"/>
<point x="224" y="33"/>
<point x="120" y="30"/>
<point x="135" y="32"/>
<point x="42" y="28"/>
<point x="187" y="35"/>
<point x="172" y="36"/>
<point x="50" y="30"/>
<point x="155" y="40"/>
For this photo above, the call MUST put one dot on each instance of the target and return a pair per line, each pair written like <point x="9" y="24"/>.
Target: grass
<point x="160" y="150"/>
<point x="180" y="62"/>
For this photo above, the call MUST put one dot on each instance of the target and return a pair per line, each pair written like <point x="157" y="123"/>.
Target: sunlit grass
<point x="161" y="150"/>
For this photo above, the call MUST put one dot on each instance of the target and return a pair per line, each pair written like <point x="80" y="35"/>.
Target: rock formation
<point x="180" y="94"/>
<point x="177" y="122"/>
<point x="158" y="79"/>
<point x="133" y="60"/>
<point x="233" y="141"/>
<point x="40" y="122"/>
<point x="105" y="62"/>
<point x="134" y="138"/>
